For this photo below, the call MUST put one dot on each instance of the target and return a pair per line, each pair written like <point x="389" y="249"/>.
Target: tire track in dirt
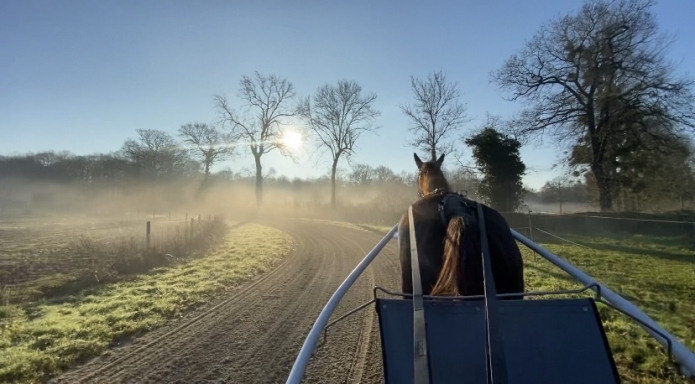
<point x="276" y="342"/>
<point x="355" y="341"/>
<point x="387" y="269"/>
<point x="388" y="277"/>
<point x="360" y="355"/>
<point x="254" y="334"/>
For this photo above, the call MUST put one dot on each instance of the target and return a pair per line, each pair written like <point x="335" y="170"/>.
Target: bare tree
<point x="361" y="175"/>
<point x="156" y="154"/>
<point x="557" y="188"/>
<point x="339" y="116"/>
<point x="265" y="100"/>
<point x="208" y="144"/>
<point x="598" y="76"/>
<point x="436" y="115"/>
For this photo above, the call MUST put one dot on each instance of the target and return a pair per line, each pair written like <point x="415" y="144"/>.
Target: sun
<point x="291" y="139"/>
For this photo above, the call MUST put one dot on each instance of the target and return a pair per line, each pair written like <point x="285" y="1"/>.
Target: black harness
<point x="456" y="204"/>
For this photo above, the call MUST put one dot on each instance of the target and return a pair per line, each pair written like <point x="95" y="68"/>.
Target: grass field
<point x="48" y="337"/>
<point x="655" y="273"/>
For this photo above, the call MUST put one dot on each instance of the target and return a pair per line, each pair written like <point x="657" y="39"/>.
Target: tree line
<point x="156" y="158"/>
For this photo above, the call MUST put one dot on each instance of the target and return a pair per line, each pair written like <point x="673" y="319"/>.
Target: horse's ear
<point x="418" y="162"/>
<point x="440" y="160"/>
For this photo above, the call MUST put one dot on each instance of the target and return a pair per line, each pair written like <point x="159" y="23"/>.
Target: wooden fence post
<point x="147" y="236"/>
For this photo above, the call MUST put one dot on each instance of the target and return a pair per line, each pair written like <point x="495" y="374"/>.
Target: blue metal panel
<point x="455" y="338"/>
<point x="555" y="341"/>
<point x="545" y="341"/>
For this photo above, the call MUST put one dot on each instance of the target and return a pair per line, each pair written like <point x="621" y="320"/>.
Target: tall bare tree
<point x="596" y="76"/>
<point x="265" y="105"/>
<point x="338" y="117"/>
<point x="207" y="143"/>
<point x="436" y="115"/>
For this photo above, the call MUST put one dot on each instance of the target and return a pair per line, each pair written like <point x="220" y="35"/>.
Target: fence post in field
<point x="5" y="290"/>
<point x="192" y="224"/>
<point x="147" y="236"/>
<point x="530" y="232"/>
<point x="186" y="217"/>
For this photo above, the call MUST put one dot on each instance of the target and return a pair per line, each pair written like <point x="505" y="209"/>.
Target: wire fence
<point x="56" y="259"/>
<point x="602" y="225"/>
<point x="32" y="250"/>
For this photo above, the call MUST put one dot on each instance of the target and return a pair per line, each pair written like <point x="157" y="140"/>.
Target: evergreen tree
<point x="497" y="157"/>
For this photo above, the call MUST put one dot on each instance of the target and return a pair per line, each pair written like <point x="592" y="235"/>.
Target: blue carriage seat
<point x="558" y="341"/>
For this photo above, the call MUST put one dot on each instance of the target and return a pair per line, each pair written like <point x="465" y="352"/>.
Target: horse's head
<point x="430" y="176"/>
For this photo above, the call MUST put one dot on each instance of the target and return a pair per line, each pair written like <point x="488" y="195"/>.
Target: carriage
<point x="553" y="340"/>
<point x="441" y="337"/>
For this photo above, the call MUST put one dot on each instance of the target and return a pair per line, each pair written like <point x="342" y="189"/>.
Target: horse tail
<point x="447" y="282"/>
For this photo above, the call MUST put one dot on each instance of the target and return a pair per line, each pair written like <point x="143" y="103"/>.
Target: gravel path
<point x="254" y="333"/>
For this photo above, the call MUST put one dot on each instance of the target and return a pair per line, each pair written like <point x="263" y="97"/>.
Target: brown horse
<point x="449" y="250"/>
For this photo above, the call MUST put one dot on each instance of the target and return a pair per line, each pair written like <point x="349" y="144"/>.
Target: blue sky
<point x="84" y="75"/>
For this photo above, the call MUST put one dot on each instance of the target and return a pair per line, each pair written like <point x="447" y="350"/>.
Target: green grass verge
<point x="343" y="224"/>
<point x="656" y="274"/>
<point x="41" y="341"/>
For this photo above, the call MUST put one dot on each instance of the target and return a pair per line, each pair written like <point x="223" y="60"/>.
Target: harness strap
<point x="496" y="364"/>
<point x="420" y="362"/>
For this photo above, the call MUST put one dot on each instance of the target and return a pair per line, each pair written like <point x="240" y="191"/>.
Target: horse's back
<point x="507" y="263"/>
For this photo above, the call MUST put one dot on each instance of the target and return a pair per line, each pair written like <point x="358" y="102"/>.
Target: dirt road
<point x="253" y="334"/>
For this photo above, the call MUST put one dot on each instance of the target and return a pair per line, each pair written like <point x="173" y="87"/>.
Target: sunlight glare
<point x="292" y="139"/>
